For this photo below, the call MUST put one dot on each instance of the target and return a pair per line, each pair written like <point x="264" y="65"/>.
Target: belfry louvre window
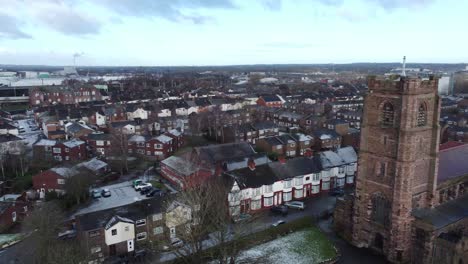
<point x="387" y="114"/>
<point x="381" y="209"/>
<point x="422" y="115"/>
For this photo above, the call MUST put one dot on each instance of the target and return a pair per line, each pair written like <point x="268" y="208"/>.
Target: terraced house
<point x="258" y="187"/>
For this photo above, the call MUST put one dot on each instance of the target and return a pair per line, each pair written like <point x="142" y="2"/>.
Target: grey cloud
<point x="274" y="5"/>
<point x="168" y="9"/>
<point x="393" y="4"/>
<point x="63" y="18"/>
<point x="9" y="28"/>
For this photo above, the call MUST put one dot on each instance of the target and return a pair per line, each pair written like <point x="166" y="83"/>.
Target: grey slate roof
<point x="453" y="163"/>
<point x="274" y="171"/>
<point x="444" y="214"/>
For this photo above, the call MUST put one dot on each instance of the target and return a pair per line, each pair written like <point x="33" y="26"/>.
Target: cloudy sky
<point x="222" y="32"/>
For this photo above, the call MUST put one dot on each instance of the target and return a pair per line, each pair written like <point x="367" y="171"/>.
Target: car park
<point x="143" y="185"/>
<point x="106" y="193"/>
<point x="277" y="223"/>
<point x="295" y="204"/>
<point x="279" y="209"/>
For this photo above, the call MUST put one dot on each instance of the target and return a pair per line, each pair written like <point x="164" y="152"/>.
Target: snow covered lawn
<point x="6" y="239"/>
<point x="305" y="246"/>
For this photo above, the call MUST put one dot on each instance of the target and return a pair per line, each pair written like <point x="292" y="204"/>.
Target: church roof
<point x="445" y="214"/>
<point x="452" y="162"/>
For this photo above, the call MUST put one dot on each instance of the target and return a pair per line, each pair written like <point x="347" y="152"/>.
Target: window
<point x="258" y="191"/>
<point x="268" y="188"/>
<point x="387" y="114"/>
<point x="307" y="143"/>
<point x="93" y="233"/>
<point x="60" y="181"/>
<point x="127" y="228"/>
<point x="114" y="232"/>
<point x="316" y="177"/>
<point x="381" y="209"/>
<point x="255" y="204"/>
<point x="158" y="146"/>
<point x="95" y="250"/>
<point x="299" y="193"/>
<point x="287" y="196"/>
<point x="326" y="185"/>
<point x="279" y="147"/>
<point x="292" y="145"/>
<point x="268" y="201"/>
<point x="287" y="184"/>
<point x="422" y="115"/>
<point x="140" y="222"/>
<point x="157" y="230"/>
<point x="382" y="169"/>
<point x="157" y="217"/>
<point x="315" y="188"/>
<point x="158" y="153"/>
<point x="13" y="216"/>
<point x="298" y="181"/>
<point x="307" y="178"/>
<point x="67" y="150"/>
<point x="341" y="170"/>
<point x="141" y="236"/>
<point x="57" y="150"/>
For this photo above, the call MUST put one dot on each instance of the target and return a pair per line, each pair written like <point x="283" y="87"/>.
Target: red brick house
<point x="177" y="138"/>
<point x="50" y="95"/>
<point x="52" y="180"/>
<point x="158" y="148"/>
<point x="99" y="143"/>
<point x="182" y="172"/>
<point x="270" y="101"/>
<point x="71" y="150"/>
<point x="13" y="209"/>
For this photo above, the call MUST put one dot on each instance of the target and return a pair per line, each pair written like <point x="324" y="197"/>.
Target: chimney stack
<point x="251" y="164"/>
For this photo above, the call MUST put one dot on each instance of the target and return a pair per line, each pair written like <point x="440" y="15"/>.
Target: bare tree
<point x="119" y="150"/>
<point x="77" y="186"/>
<point x="211" y="233"/>
<point x="45" y="222"/>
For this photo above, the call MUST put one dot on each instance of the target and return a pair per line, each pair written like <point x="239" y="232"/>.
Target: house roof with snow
<point x="343" y="156"/>
<point x="65" y="171"/>
<point x="94" y="164"/>
<point x="163" y="138"/>
<point x="73" y="143"/>
<point x="46" y="142"/>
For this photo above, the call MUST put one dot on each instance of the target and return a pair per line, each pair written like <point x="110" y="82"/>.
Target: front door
<point x="172" y="232"/>
<point x="130" y="245"/>
<point x="277" y="199"/>
<point x="245" y="206"/>
<point x="307" y="190"/>
<point x="112" y="250"/>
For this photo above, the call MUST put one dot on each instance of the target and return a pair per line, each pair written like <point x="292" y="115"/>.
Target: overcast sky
<point x="223" y="32"/>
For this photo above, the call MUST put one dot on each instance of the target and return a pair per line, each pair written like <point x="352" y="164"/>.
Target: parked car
<point x="96" y="193"/>
<point x="143" y="185"/>
<point x="280" y="209"/>
<point x="175" y="243"/>
<point x="139" y="254"/>
<point x="337" y="192"/>
<point x="68" y="234"/>
<point x="153" y="192"/>
<point x="277" y="223"/>
<point x="241" y="217"/>
<point x="137" y="182"/>
<point x="106" y="193"/>
<point x="295" y="204"/>
<point x="146" y="190"/>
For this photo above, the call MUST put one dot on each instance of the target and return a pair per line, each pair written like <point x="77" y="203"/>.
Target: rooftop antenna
<point x="403" y="71"/>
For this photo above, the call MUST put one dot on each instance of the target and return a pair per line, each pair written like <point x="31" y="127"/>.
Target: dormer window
<point x="387" y="115"/>
<point x="422" y="115"/>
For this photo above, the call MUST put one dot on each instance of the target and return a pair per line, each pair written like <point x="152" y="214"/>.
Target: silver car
<point x="295" y="204"/>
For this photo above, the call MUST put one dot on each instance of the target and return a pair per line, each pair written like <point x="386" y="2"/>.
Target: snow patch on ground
<point x="295" y="248"/>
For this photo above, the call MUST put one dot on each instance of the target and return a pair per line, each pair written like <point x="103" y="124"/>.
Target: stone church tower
<point x="397" y="168"/>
